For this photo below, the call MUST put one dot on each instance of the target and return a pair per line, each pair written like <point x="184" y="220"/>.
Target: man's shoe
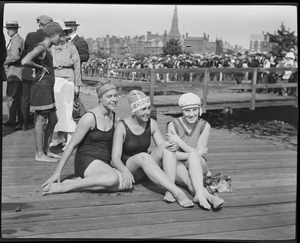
<point x="55" y="142"/>
<point x="19" y="127"/>
<point x="24" y="128"/>
<point x="9" y="123"/>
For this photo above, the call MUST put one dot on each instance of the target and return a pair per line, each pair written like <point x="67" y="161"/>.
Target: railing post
<point x="254" y="79"/>
<point x="205" y="90"/>
<point x="120" y="83"/>
<point x="152" y="83"/>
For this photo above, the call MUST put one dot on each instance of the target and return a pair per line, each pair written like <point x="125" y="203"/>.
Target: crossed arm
<point x="201" y="144"/>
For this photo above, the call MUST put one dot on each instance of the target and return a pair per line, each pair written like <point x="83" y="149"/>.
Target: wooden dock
<point x="262" y="205"/>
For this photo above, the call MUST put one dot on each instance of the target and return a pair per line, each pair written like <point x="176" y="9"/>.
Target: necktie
<point x="8" y="44"/>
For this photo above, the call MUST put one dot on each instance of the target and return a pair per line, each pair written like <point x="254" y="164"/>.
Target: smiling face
<point x="144" y="113"/>
<point x="110" y="99"/>
<point x="191" y="114"/>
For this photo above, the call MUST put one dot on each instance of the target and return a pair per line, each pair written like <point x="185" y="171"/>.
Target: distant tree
<point x="101" y="54"/>
<point x="283" y="41"/>
<point x="141" y="56"/>
<point x="172" y="47"/>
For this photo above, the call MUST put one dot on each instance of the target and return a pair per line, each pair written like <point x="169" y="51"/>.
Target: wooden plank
<point x="286" y="233"/>
<point x="176" y="229"/>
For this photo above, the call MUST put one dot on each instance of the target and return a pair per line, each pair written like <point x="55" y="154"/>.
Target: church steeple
<point x="174" y="33"/>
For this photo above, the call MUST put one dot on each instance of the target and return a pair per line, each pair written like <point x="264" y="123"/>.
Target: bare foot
<point x="53" y="188"/>
<point x="202" y="201"/>
<point x="53" y="155"/>
<point x="169" y="197"/>
<point x="45" y="158"/>
<point x="216" y="202"/>
<point x="183" y="200"/>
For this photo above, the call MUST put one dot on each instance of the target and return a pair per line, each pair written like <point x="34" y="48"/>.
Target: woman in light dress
<point x="66" y="63"/>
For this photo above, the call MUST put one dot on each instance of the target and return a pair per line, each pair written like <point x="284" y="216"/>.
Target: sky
<point x="231" y="23"/>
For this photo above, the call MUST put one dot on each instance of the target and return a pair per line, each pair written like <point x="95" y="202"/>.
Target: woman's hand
<point x="172" y="146"/>
<point x="44" y="71"/>
<point x="202" y="151"/>
<point x="53" y="178"/>
<point x="173" y="137"/>
<point x="128" y="178"/>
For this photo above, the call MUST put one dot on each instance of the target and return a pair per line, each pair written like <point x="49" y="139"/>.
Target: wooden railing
<point x="206" y="84"/>
<point x="149" y="82"/>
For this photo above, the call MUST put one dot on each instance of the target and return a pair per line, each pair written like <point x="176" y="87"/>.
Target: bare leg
<point x="156" y="175"/>
<point x="52" y="120"/>
<point x="98" y="176"/>
<point x="169" y="162"/>
<point x="201" y="195"/>
<point x="40" y="156"/>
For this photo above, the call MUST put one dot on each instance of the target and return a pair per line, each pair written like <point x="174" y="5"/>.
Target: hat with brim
<point x="62" y="24"/>
<point x="12" y="24"/>
<point x="70" y="22"/>
<point x="290" y="55"/>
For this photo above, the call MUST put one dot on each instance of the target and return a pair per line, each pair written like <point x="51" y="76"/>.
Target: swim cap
<point x="104" y="87"/>
<point x="189" y="100"/>
<point x="137" y="100"/>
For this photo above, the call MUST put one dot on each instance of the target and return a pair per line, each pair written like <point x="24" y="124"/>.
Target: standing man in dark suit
<point x="13" y="68"/>
<point x="79" y="42"/>
<point x="28" y="74"/>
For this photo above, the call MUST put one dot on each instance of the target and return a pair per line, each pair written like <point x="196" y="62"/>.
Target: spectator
<point x="66" y="64"/>
<point x="13" y="67"/>
<point x="31" y="40"/>
<point x="79" y="42"/>
<point x="42" y="93"/>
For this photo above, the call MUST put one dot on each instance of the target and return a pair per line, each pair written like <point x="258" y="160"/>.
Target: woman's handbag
<point x="78" y="107"/>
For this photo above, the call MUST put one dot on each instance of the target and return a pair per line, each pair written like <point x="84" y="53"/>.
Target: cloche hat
<point x="189" y="100"/>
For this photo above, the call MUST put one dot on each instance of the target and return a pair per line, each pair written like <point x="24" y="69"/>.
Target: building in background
<point x="152" y="43"/>
<point x="260" y="43"/>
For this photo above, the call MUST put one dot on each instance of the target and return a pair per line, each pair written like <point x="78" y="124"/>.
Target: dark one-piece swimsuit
<point x="96" y="145"/>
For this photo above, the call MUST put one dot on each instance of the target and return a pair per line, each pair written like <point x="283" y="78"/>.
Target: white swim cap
<point x="189" y="100"/>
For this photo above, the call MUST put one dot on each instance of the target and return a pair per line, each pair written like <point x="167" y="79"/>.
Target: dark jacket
<point x="31" y="40"/>
<point x="82" y="47"/>
<point x="3" y="56"/>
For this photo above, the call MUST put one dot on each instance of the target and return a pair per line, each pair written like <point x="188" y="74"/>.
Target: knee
<point x="144" y="158"/>
<point x="40" y="120"/>
<point x="194" y="157"/>
<point x="111" y="179"/>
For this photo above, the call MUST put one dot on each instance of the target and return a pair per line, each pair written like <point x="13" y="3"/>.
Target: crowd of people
<point x="107" y="67"/>
<point x="44" y="74"/>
